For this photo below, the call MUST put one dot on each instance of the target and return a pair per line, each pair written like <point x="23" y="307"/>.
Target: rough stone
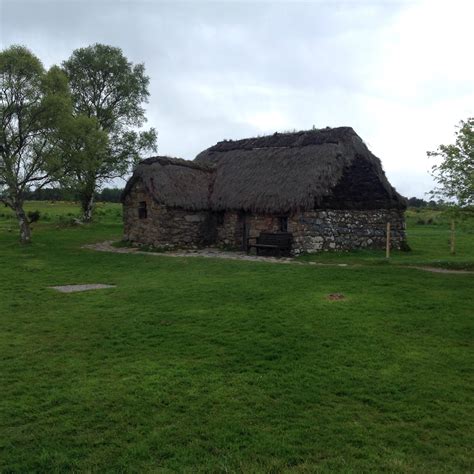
<point x="313" y="231"/>
<point x="192" y="218"/>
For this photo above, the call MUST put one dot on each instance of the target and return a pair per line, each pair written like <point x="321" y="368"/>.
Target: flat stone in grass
<point x="76" y="288"/>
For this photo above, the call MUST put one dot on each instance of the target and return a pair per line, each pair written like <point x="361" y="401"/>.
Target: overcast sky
<point x="399" y="72"/>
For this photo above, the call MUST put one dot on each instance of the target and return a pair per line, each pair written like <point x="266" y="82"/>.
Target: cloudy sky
<point x="399" y="72"/>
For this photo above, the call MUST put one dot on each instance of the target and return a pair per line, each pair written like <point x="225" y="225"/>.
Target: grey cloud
<point x="216" y="66"/>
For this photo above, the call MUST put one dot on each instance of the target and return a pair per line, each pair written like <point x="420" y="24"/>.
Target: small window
<point x="283" y="224"/>
<point x="142" y="213"/>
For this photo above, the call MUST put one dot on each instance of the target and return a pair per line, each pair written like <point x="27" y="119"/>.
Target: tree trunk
<point x="25" y="231"/>
<point x="87" y="204"/>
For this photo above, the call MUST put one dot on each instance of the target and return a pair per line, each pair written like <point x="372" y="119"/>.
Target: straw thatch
<point x="281" y="173"/>
<point x="285" y="172"/>
<point x="174" y="182"/>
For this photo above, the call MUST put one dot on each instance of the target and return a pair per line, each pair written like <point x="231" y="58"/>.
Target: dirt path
<point x="440" y="270"/>
<point x="217" y="253"/>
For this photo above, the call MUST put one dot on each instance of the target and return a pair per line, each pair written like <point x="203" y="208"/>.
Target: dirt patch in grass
<point x="440" y="270"/>
<point x="123" y="247"/>
<point x="335" y="297"/>
<point x="77" y="288"/>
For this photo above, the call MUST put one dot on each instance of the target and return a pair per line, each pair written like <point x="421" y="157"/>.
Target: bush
<point x="404" y="247"/>
<point x="34" y="216"/>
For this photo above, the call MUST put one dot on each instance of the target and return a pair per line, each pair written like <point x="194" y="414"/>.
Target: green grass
<point x="59" y="213"/>
<point x="207" y="365"/>
<point x="430" y="244"/>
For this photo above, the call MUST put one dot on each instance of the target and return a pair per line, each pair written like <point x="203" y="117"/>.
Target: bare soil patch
<point x="441" y="270"/>
<point x="239" y="255"/>
<point x="335" y="297"/>
<point x="204" y="252"/>
<point x="77" y="288"/>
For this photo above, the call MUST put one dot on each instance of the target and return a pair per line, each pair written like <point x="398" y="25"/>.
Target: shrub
<point x="34" y="216"/>
<point x="404" y="247"/>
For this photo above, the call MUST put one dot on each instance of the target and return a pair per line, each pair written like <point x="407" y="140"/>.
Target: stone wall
<point x="165" y="227"/>
<point x="319" y="230"/>
<point x="313" y="231"/>
<point x="230" y="231"/>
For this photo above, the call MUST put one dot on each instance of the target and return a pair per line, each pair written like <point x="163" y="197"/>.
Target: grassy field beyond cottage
<point x="194" y="364"/>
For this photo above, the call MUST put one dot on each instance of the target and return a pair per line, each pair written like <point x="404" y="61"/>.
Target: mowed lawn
<point x="207" y="365"/>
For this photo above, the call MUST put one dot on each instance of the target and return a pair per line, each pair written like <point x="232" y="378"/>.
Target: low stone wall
<point x="165" y="227"/>
<point x="229" y="230"/>
<point x="313" y="231"/>
<point x="319" y="230"/>
<point x="316" y="231"/>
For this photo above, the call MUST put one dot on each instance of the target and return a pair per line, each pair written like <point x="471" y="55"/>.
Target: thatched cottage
<point x="323" y="186"/>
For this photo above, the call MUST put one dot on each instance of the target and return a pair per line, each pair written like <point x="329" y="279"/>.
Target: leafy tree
<point x="455" y="173"/>
<point x="110" y="90"/>
<point x="416" y="202"/>
<point x="86" y="159"/>
<point x="33" y="103"/>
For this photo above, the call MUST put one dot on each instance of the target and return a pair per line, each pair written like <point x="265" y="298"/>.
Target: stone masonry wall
<point x="321" y="230"/>
<point x="313" y="231"/>
<point x="230" y="231"/>
<point x="165" y="227"/>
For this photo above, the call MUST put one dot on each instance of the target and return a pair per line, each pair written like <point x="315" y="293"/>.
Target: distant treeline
<point x="417" y="202"/>
<point x="60" y="194"/>
<point x="113" y="195"/>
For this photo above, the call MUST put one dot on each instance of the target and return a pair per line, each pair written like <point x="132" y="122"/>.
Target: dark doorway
<point x="283" y="223"/>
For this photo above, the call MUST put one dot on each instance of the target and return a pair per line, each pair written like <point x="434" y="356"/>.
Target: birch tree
<point x="33" y="104"/>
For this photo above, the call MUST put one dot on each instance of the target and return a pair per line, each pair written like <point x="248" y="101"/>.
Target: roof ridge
<point x="313" y="137"/>
<point x="174" y="161"/>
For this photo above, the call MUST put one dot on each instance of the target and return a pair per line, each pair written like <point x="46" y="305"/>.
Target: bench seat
<point x="279" y="242"/>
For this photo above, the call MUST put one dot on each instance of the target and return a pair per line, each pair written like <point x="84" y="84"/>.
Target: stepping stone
<point x="76" y="288"/>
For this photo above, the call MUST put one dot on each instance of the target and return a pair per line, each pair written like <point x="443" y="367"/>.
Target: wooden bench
<point x="278" y="243"/>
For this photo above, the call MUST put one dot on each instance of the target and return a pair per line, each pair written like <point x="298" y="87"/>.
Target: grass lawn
<point x="210" y="365"/>
<point x="429" y="238"/>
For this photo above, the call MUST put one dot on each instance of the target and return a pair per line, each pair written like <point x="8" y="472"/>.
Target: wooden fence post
<point x="453" y="237"/>
<point x="387" y="248"/>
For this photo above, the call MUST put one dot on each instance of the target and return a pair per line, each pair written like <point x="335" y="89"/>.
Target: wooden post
<point x="387" y="249"/>
<point x="453" y="237"/>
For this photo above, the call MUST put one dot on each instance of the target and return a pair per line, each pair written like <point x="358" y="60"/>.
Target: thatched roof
<point x="280" y="173"/>
<point x="285" y="172"/>
<point x="174" y="182"/>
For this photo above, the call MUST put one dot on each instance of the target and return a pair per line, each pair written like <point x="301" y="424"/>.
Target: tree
<point x="416" y="202"/>
<point x="84" y="147"/>
<point x="33" y="103"/>
<point x="110" y="90"/>
<point x="455" y="173"/>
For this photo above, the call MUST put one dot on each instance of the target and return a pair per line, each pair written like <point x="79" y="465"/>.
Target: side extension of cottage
<point x="323" y="186"/>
